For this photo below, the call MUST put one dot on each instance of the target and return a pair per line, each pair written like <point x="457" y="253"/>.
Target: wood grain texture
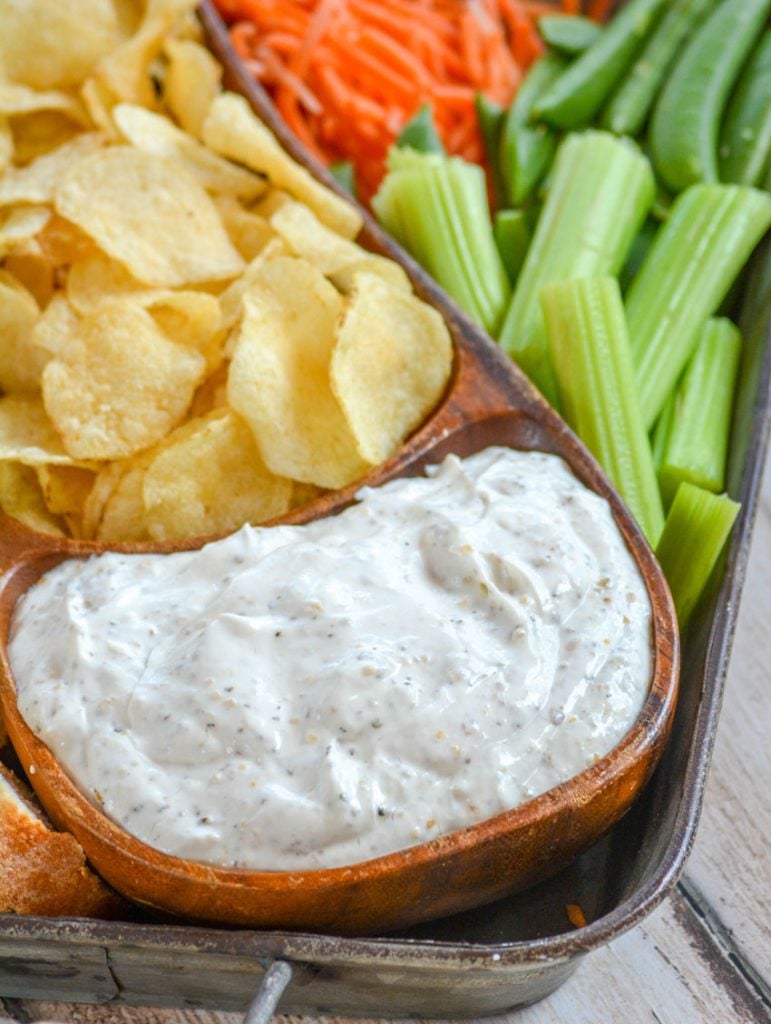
<point x="686" y="964"/>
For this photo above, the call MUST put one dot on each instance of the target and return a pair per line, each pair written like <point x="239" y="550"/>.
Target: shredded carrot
<point x="347" y="75"/>
<point x="600" y="9"/>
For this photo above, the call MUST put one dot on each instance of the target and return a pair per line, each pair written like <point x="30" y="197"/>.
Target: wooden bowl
<point x="488" y="401"/>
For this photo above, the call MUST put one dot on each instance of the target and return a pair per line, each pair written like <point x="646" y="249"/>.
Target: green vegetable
<point x="436" y="207"/>
<point x="628" y="109"/>
<point x="697" y="253"/>
<point x="660" y="434"/>
<point x="697" y="440"/>
<point x="601" y="190"/>
<point x="579" y="93"/>
<point x="696" y="529"/>
<point x="344" y="175"/>
<point x="527" y="150"/>
<point x="491" y="117"/>
<point x="591" y="356"/>
<point x="638" y="252"/>
<point x="568" y="33"/>
<point x="512" y="236"/>
<point x="420" y="133"/>
<point x="745" y="141"/>
<point x="685" y="122"/>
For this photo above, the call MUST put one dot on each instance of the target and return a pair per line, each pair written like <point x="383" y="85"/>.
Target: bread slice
<point x="42" y="871"/>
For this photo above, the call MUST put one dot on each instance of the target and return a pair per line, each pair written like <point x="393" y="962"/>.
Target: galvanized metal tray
<point x="504" y="955"/>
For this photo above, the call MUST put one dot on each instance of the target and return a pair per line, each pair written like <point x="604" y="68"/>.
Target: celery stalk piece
<point x="696" y="528"/>
<point x="698" y="439"/>
<point x="695" y="257"/>
<point x="437" y="208"/>
<point x="512" y="236"/>
<point x="591" y="355"/>
<point x="660" y="433"/>
<point x="600" y="192"/>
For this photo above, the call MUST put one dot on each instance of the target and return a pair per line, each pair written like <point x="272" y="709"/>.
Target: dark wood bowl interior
<point x="488" y="401"/>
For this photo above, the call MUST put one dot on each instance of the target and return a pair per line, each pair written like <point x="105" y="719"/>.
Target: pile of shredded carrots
<point x="347" y="75"/>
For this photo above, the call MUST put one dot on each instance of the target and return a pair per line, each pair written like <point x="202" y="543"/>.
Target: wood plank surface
<point x="704" y="957"/>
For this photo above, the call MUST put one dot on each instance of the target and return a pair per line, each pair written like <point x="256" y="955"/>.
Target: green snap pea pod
<point x="420" y="134"/>
<point x="745" y="141"/>
<point x="628" y="109"/>
<point x="579" y="93"/>
<point x="527" y="150"/>
<point x="491" y="116"/>
<point x="512" y="236"/>
<point x="343" y="173"/>
<point x="568" y="33"/>
<point x="686" y="118"/>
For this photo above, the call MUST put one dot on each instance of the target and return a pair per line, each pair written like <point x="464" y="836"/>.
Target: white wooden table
<point x="705" y="956"/>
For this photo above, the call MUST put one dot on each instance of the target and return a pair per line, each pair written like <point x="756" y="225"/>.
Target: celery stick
<point x="696" y="528"/>
<point x="591" y="356"/>
<point x="600" y="192"/>
<point x="660" y="434"/>
<point x="437" y="208"/>
<point x="696" y="255"/>
<point x="512" y="236"/>
<point x="698" y="439"/>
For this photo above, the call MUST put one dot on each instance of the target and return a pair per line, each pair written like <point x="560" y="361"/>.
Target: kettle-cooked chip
<point x="279" y="376"/>
<point x="21" y="362"/>
<point x="21" y="224"/>
<point x="151" y="215"/>
<point x="123" y="514"/>
<point x="56" y="328"/>
<point x="97" y="279"/>
<point x="390" y="365"/>
<point x="155" y="133"/>
<point x="337" y="258"/>
<point x="54" y="45"/>
<point x="192" y="319"/>
<point x="248" y="231"/>
<point x="20" y="99"/>
<point x="212" y="480"/>
<point x="191" y="82"/>
<point x="121" y="385"/>
<point x="21" y="498"/>
<point x="27" y="434"/>
<point x="232" y="129"/>
<point x="37" y="182"/>
<point x="65" y="490"/>
<point x="6" y="143"/>
<point x="34" y="273"/>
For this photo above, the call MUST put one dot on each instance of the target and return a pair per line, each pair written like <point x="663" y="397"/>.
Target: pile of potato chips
<point x="190" y="339"/>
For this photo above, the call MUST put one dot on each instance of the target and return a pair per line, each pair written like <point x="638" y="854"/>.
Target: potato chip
<point x="65" y="490"/>
<point x="99" y="101"/>
<point x="21" y="362"/>
<point x="97" y="279"/>
<point x="210" y="395"/>
<point x="154" y="133"/>
<point x="61" y="243"/>
<point x="35" y="135"/>
<point x="279" y="376"/>
<point x="231" y="299"/>
<point x="107" y="479"/>
<point x="191" y="83"/>
<point x="121" y="386"/>
<point x="232" y="130"/>
<point x="123" y="515"/>
<point x="192" y="319"/>
<point x="273" y="200"/>
<point x="27" y="434"/>
<point x="6" y="144"/>
<point x="20" y="99"/>
<point x="57" y="327"/>
<point x="390" y="365"/>
<point x="150" y="215"/>
<point x="34" y="273"/>
<point x="212" y="481"/>
<point x="21" y="497"/>
<point x="54" y="45"/>
<point x="336" y="257"/>
<point x="248" y="231"/>
<point x="36" y="183"/>
<point x="21" y="224"/>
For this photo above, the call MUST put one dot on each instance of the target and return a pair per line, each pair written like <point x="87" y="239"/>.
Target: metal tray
<point x="501" y="956"/>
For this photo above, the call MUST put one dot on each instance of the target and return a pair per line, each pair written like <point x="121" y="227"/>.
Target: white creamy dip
<point x="311" y="696"/>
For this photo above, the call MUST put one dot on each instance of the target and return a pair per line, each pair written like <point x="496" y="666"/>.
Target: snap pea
<point x="745" y="141"/>
<point x="684" y="126"/>
<point x="568" y="33"/>
<point x="579" y="93"/>
<point x="343" y="173"/>
<point x="527" y="150"/>
<point x="512" y="236"/>
<point x="420" y="134"/>
<point x="628" y="109"/>
<point x="491" y="116"/>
